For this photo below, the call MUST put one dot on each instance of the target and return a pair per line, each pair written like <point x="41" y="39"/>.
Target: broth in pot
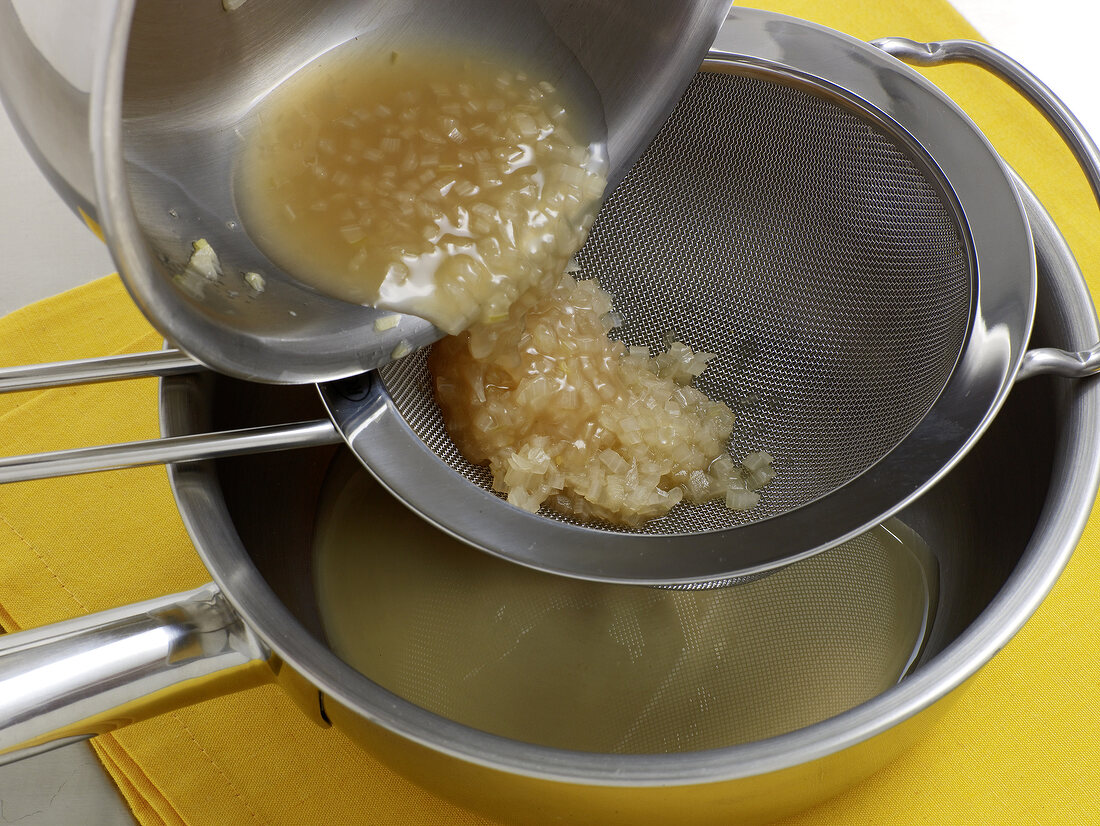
<point x="612" y="668"/>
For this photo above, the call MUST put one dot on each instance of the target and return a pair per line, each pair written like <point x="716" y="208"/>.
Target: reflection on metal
<point x="94" y="674"/>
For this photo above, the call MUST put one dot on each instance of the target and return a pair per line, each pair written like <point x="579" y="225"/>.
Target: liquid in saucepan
<point x="611" y="668"/>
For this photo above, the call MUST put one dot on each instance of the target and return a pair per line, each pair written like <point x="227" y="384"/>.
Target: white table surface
<point x="45" y="250"/>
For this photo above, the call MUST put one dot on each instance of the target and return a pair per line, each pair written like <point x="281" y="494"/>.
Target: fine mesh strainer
<point x="786" y="245"/>
<point x="787" y="220"/>
<point x="847" y="242"/>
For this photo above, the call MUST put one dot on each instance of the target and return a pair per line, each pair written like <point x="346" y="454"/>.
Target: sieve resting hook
<point x="1045" y="360"/>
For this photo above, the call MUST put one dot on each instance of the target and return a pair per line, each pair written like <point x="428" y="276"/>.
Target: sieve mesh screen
<point x="807" y="247"/>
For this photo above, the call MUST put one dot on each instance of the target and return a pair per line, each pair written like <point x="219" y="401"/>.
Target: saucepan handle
<point x="76" y="679"/>
<point x="152" y="451"/>
<point x="1046" y="360"/>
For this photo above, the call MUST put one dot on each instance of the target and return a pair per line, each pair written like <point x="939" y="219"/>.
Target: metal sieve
<point x="782" y="232"/>
<point x="845" y="240"/>
<point x="797" y="229"/>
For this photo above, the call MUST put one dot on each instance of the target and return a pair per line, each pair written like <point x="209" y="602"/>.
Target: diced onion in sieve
<point x="569" y="419"/>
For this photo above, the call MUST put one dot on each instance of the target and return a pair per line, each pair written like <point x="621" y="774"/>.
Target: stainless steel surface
<point x="107" y="368"/>
<point x="1079" y="364"/>
<point x="89" y="675"/>
<point x="1048" y="360"/>
<point x="169" y="449"/>
<point x="991" y="58"/>
<point x="141" y="135"/>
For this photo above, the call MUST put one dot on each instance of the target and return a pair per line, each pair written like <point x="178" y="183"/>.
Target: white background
<point x="44" y="250"/>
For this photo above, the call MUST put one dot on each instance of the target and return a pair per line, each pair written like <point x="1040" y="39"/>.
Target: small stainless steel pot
<point x="133" y="109"/>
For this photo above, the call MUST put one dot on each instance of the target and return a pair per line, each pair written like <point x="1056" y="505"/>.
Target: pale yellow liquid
<point x="609" y="668"/>
<point x="425" y="181"/>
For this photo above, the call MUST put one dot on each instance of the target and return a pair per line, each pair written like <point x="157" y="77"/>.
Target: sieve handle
<point x="151" y="451"/>
<point x="1046" y="360"/>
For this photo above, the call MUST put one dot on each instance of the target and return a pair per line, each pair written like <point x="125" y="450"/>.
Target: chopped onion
<point x="204" y="260"/>
<point x="569" y="419"/>
<point x="387" y="322"/>
<point x="742" y="500"/>
<point x="255" y="281"/>
<point x="379" y="165"/>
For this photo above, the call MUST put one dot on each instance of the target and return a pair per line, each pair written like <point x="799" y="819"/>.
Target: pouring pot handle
<point x="248" y="440"/>
<point x="152" y="451"/>
<point x="1046" y="360"/>
<point x="86" y="676"/>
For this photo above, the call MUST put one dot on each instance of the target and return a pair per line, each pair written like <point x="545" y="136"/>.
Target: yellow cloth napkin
<point x="1020" y="746"/>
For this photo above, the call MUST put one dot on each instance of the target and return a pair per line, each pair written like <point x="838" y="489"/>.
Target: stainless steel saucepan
<point x="260" y="617"/>
<point x="1002" y="524"/>
<point x="146" y="99"/>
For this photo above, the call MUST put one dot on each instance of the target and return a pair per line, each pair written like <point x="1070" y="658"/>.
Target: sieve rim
<point x="996" y="237"/>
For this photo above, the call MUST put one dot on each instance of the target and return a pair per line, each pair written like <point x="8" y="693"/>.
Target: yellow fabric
<point x="1020" y="746"/>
